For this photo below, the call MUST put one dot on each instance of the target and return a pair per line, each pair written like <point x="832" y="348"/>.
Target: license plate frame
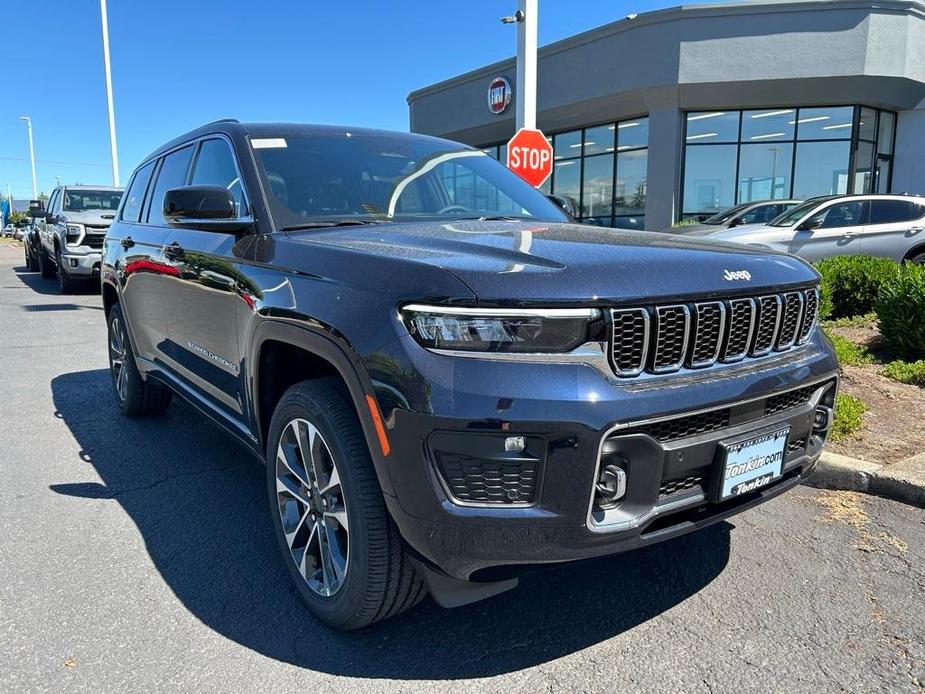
<point x="744" y="453"/>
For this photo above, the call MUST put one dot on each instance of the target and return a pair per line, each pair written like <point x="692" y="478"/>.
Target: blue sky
<point x="177" y="64"/>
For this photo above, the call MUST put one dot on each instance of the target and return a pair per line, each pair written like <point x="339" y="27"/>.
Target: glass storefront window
<point x="821" y="169"/>
<point x="885" y="135"/>
<point x="713" y="126"/>
<point x="709" y="177"/>
<point x="583" y="172"/>
<point x="863" y="167"/>
<point x="567" y="145"/>
<point x="867" y="124"/>
<point x="632" y="133"/>
<point x="768" y="125"/>
<point x="825" y="123"/>
<point x="630" y="189"/>
<point x="764" y="171"/>
<point x="785" y="152"/>
<point x="599" y="140"/>
<point x="567" y="180"/>
<point x="597" y="189"/>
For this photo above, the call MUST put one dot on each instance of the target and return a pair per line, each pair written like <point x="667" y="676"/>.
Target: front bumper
<point x="82" y="264"/>
<point x="572" y="409"/>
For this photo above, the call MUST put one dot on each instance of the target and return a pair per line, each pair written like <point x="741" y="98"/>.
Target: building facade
<point x="681" y="112"/>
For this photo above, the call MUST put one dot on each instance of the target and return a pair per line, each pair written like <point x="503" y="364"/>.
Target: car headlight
<point x="500" y="330"/>
<point x="75" y="234"/>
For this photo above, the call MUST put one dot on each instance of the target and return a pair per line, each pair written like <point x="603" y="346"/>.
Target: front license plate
<point x="751" y="464"/>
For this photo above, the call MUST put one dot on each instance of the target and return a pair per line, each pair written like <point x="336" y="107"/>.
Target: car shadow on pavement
<point x="40" y="285"/>
<point x="198" y="501"/>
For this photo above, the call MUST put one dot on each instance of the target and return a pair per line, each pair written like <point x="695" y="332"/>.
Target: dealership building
<point x="670" y="114"/>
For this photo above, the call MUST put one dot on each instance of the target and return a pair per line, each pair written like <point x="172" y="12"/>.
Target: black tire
<point x="66" y="284"/>
<point x="917" y="258"/>
<point x="46" y="267"/>
<point x="136" y="397"/>
<point x="31" y="263"/>
<point x="379" y="579"/>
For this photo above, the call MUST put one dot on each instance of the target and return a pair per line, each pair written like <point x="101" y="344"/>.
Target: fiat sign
<point x="529" y="155"/>
<point x="499" y="95"/>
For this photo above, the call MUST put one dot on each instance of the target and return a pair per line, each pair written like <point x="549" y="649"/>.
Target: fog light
<point x="515" y="444"/>
<point x="611" y="484"/>
<point x="822" y="420"/>
<point x="73" y="262"/>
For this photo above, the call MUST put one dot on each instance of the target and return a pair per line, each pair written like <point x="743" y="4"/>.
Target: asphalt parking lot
<point x="136" y="555"/>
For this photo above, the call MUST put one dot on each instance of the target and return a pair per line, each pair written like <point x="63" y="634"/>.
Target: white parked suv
<point x="890" y="226"/>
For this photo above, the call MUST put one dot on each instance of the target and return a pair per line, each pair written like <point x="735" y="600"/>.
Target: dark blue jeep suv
<point x="447" y="381"/>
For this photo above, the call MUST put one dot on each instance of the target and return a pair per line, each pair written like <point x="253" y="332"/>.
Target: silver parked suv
<point x="72" y="230"/>
<point x="890" y="226"/>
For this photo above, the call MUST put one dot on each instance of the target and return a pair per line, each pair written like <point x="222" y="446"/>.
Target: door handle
<point x="174" y="251"/>
<point x="127" y="242"/>
<point x="849" y="234"/>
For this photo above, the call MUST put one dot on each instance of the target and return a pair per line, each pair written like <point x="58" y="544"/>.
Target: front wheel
<point x="918" y="258"/>
<point x="340" y="546"/>
<point x="135" y="396"/>
<point x="66" y="284"/>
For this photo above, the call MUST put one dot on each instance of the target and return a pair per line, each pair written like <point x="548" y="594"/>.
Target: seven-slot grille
<point x="665" y="338"/>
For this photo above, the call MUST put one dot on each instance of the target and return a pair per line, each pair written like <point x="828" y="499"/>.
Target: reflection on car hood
<point x="94" y="217"/>
<point x="511" y="260"/>
<point x="742" y="233"/>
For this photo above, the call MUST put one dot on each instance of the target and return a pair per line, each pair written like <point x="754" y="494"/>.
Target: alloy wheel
<point x="117" y="355"/>
<point x="311" y="507"/>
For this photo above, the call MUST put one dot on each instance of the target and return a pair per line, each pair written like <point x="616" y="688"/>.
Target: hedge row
<point x="854" y="285"/>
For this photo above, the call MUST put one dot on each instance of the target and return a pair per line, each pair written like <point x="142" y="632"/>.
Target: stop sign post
<point x="529" y="155"/>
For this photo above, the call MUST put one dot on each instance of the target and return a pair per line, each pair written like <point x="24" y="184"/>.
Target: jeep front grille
<point x="666" y="338"/>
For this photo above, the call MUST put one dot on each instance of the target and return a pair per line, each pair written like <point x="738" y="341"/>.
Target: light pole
<point x="112" y="115"/>
<point x="35" y="188"/>
<point x="525" y="18"/>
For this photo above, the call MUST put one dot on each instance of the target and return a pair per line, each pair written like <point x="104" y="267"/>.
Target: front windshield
<point x="88" y="200"/>
<point x="725" y="215"/>
<point x="788" y="219"/>
<point x="341" y="177"/>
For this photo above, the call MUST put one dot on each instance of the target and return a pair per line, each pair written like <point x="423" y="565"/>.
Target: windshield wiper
<point x="332" y="223"/>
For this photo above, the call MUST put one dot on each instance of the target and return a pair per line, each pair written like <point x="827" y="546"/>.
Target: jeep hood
<point x="505" y="261"/>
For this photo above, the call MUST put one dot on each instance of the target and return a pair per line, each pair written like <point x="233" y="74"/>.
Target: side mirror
<point x="206" y="208"/>
<point x="49" y="218"/>
<point x="734" y="222"/>
<point x="564" y="204"/>
<point x="811" y="224"/>
<point x="36" y="208"/>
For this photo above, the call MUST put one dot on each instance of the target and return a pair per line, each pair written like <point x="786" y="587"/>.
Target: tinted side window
<point x="843" y="214"/>
<point x="892" y="211"/>
<point x="759" y="215"/>
<point x="135" y="196"/>
<point x="215" y="167"/>
<point x="171" y="175"/>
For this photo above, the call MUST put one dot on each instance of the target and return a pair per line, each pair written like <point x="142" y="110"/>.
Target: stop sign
<point x="529" y="155"/>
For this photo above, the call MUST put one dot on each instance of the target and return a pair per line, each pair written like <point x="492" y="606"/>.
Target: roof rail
<point x="221" y="120"/>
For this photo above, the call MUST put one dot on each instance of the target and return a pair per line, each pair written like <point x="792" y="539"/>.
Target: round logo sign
<point x="499" y="95"/>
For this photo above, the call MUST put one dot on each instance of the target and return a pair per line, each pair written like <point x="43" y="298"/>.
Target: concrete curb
<point x="903" y="481"/>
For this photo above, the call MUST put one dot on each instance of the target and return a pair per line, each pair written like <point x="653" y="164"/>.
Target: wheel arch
<point x="914" y="251"/>
<point x="307" y="354"/>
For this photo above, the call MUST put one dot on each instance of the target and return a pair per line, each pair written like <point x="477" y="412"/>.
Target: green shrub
<point x="906" y="372"/>
<point x="849" y="352"/>
<point x="901" y="310"/>
<point x="848" y="414"/>
<point x="851" y="283"/>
